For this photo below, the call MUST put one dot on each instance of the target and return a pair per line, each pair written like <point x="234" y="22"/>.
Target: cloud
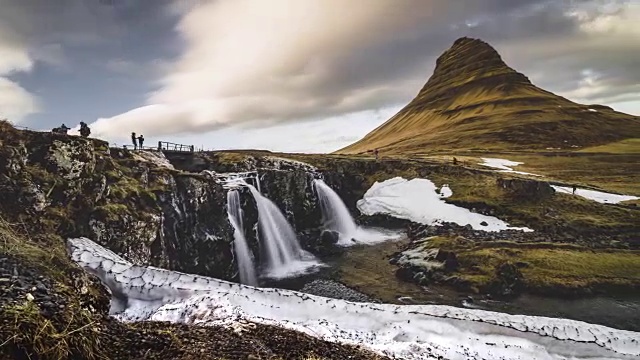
<point x="15" y="101"/>
<point x="256" y="63"/>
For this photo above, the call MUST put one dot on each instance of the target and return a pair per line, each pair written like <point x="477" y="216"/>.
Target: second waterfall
<point x="283" y="254"/>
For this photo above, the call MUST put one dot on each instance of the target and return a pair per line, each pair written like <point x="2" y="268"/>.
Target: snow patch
<point x="599" y="196"/>
<point x="504" y="165"/>
<point x="445" y="191"/>
<point x="405" y="331"/>
<point x="417" y="200"/>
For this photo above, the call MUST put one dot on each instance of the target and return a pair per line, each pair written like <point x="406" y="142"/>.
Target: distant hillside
<point x="474" y="100"/>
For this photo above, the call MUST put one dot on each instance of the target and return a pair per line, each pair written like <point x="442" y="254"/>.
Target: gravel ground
<point x="335" y="290"/>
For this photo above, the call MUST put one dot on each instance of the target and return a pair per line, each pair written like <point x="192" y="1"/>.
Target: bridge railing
<point x="169" y="146"/>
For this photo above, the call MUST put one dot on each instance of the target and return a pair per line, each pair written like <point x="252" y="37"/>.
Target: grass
<point x="619" y="173"/>
<point x="627" y="146"/>
<point x="70" y="332"/>
<point x="546" y="267"/>
<point x="367" y="269"/>
<point x="42" y="337"/>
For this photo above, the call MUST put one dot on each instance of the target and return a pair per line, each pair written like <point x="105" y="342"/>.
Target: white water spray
<point x="336" y="217"/>
<point x="284" y="256"/>
<point x="243" y="254"/>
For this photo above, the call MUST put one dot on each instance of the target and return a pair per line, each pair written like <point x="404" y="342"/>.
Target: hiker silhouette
<point x="61" y="130"/>
<point x="134" y="140"/>
<point x="140" y="141"/>
<point x="84" y="129"/>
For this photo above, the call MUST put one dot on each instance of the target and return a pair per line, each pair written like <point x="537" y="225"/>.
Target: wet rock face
<point x="196" y="235"/>
<point x="134" y="205"/>
<point x="292" y="191"/>
<point x="186" y="227"/>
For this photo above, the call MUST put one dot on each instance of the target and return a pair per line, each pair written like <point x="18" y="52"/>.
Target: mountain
<point x="474" y="100"/>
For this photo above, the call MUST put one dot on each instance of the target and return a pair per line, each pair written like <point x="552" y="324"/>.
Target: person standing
<point x="375" y="152"/>
<point x="134" y="139"/>
<point x="140" y="141"/>
<point x="84" y="129"/>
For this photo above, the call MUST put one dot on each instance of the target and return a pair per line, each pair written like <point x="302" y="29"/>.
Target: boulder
<point x="525" y="188"/>
<point x="508" y="281"/>
<point x="329" y="237"/>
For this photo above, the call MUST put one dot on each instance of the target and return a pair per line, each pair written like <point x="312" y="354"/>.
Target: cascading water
<point x="243" y="254"/>
<point x="335" y="215"/>
<point x="284" y="256"/>
<point x="258" y="183"/>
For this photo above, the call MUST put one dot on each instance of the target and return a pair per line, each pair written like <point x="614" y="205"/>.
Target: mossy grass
<point x="546" y="267"/>
<point x="71" y="332"/>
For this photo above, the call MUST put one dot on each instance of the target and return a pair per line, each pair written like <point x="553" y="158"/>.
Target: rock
<point x="526" y="189"/>
<point x="449" y="258"/>
<point x="29" y="297"/>
<point x="329" y="237"/>
<point x="335" y="290"/>
<point x="508" y="281"/>
<point x="484" y="223"/>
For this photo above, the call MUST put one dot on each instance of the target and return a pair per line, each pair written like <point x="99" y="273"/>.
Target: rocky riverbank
<point x="509" y="263"/>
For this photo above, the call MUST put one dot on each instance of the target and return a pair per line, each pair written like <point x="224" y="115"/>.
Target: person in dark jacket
<point x="140" y="141"/>
<point x="134" y="140"/>
<point x="61" y="130"/>
<point x="84" y="129"/>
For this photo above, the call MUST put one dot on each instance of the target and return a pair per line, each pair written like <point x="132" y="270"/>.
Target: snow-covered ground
<point x="417" y="200"/>
<point x="445" y="191"/>
<point x="599" y="196"/>
<point x="504" y="165"/>
<point x="404" y="331"/>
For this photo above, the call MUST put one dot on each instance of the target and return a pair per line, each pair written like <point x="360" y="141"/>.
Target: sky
<point x="288" y="75"/>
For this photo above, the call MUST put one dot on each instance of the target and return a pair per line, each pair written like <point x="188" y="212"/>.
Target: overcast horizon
<point x="288" y="75"/>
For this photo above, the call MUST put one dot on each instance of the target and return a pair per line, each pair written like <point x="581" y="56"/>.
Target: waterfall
<point x="241" y="249"/>
<point x="284" y="256"/>
<point x="258" y="182"/>
<point x="335" y="215"/>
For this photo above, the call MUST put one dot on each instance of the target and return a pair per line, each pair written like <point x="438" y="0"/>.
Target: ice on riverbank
<point x="417" y="200"/>
<point x="404" y="331"/>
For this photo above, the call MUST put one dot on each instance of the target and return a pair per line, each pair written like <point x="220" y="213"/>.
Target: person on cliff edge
<point x="140" y="141"/>
<point x="134" y="140"/>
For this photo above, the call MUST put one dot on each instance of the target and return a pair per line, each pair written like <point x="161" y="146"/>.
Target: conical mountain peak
<point x="474" y="100"/>
<point x="470" y="62"/>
